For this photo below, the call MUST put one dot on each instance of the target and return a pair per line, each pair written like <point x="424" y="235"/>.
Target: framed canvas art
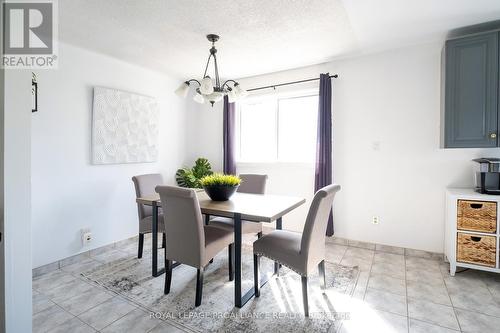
<point x="124" y="127"/>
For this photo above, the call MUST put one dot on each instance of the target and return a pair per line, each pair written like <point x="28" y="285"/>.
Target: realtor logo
<point x="29" y="39"/>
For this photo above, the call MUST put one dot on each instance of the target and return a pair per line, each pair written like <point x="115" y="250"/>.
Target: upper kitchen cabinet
<point x="471" y="91"/>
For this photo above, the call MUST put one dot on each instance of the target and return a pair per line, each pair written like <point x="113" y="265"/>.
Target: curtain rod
<point x="288" y="83"/>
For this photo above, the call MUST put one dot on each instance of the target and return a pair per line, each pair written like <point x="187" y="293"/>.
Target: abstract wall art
<point x="124" y="127"/>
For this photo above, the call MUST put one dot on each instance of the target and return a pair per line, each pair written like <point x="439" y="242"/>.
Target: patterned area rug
<point x="278" y="309"/>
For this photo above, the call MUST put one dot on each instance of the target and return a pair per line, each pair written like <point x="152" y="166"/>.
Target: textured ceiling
<point x="258" y="36"/>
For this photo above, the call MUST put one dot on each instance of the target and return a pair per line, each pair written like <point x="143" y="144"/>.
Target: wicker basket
<point x="476" y="249"/>
<point x="477" y="216"/>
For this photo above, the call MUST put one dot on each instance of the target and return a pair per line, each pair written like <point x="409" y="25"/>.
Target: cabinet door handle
<point x="476" y="205"/>
<point x="493" y="135"/>
<point x="475" y="238"/>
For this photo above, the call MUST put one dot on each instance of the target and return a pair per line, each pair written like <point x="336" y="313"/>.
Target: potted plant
<point x="190" y="177"/>
<point x="220" y="187"/>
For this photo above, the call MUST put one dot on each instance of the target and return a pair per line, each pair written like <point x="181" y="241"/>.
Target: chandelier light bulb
<point x="198" y="98"/>
<point x="231" y="96"/>
<point x="240" y="92"/>
<point x="206" y="86"/>
<point x="183" y="90"/>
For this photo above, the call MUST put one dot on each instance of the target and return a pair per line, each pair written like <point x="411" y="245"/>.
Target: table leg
<point x="239" y="299"/>
<point x="237" y="260"/>
<point x="279" y="226"/>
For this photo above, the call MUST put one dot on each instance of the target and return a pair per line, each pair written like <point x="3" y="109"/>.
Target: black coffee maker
<point x="488" y="175"/>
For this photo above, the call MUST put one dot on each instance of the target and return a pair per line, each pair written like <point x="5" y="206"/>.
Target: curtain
<point x="323" y="170"/>
<point x="228" y="128"/>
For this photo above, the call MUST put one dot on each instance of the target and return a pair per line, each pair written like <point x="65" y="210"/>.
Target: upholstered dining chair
<point x="300" y="252"/>
<point x="189" y="241"/>
<point x="250" y="183"/>
<point x="144" y="186"/>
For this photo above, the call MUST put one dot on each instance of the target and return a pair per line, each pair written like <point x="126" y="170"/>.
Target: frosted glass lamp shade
<point x="183" y="90"/>
<point x="240" y="92"/>
<point x="215" y="97"/>
<point x="231" y="96"/>
<point x="206" y="87"/>
<point x="198" y="98"/>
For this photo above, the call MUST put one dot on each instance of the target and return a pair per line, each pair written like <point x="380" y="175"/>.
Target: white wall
<point x="68" y="192"/>
<point x="16" y="228"/>
<point x="390" y="100"/>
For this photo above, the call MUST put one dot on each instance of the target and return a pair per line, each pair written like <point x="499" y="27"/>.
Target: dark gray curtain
<point x="229" y="124"/>
<point x="323" y="174"/>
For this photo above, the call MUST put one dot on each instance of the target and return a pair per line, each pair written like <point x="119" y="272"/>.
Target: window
<point x="277" y="129"/>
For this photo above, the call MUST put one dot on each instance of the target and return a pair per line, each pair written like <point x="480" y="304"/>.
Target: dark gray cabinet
<point x="471" y="91"/>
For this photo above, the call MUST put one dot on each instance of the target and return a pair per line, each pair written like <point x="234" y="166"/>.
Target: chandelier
<point x="211" y="90"/>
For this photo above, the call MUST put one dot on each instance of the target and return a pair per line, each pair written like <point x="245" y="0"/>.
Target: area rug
<point x="278" y="309"/>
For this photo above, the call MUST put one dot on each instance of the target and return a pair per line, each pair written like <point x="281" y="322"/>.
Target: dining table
<point x="258" y="208"/>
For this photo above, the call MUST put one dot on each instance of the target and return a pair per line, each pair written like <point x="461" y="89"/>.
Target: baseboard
<point x="53" y="266"/>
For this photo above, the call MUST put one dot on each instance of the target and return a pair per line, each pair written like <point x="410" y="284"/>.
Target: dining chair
<point x="301" y="253"/>
<point x="189" y="241"/>
<point x="253" y="184"/>
<point x="144" y="186"/>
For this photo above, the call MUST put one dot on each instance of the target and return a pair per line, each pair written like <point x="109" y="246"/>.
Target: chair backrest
<point x="313" y="237"/>
<point x="183" y="225"/>
<point x="144" y="186"/>
<point x="252" y="183"/>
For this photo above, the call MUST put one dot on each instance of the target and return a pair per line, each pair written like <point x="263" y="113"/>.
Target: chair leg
<point x="304" y="296"/>
<point x="259" y="234"/>
<point x="256" y="275"/>
<point x="230" y="250"/>
<point x="199" y="287"/>
<point x="322" y="275"/>
<point x="141" y="244"/>
<point x="168" y="276"/>
<point x="163" y="240"/>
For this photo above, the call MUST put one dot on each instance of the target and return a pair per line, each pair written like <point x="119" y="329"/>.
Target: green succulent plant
<point x="220" y="179"/>
<point x="190" y="177"/>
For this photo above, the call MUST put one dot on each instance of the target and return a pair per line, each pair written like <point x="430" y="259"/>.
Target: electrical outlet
<point x="86" y="236"/>
<point x="375" y="220"/>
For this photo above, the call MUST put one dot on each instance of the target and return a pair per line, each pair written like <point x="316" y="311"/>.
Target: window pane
<point x="297" y="129"/>
<point x="258" y="131"/>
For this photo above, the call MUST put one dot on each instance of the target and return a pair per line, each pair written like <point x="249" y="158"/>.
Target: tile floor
<point x="398" y="291"/>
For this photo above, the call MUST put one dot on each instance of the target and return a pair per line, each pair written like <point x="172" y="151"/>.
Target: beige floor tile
<point x="166" y="327"/>
<point x="137" y="321"/>
<point x="68" y="290"/>
<point x="106" y="313"/>
<point x="41" y="302"/>
<point x="85" y="301"/>
<point x="51" y="280"/>
<point x="391" y="258"/>
<point x="385" y="301"/>
<point x="473" y="322"/>
<point x="417" y="326"/>
<point x="396" y="270"/>
<point x="375" y="321"/>
<point x="387" y="283"/>
<point x="50" y="318"/>
<point x="478" y="300"/>
<point x="355" y="252"/>
<point x="74" y="325"/>
<point x="428" y="291"/>
<point x="437" y="314"/>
